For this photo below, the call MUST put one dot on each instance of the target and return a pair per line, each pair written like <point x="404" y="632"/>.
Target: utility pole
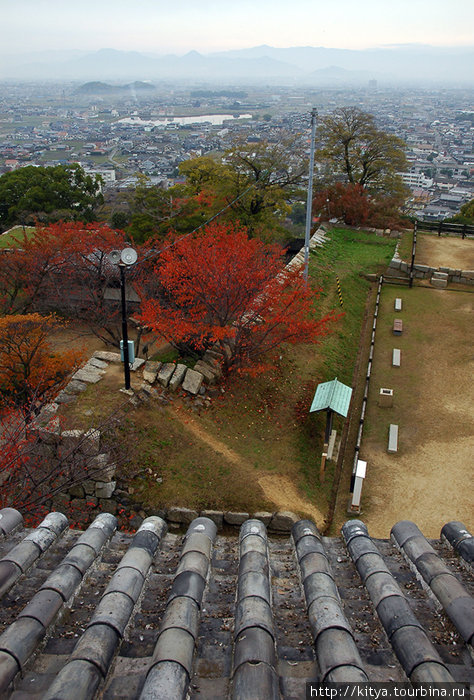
<point x="309" y="200"/>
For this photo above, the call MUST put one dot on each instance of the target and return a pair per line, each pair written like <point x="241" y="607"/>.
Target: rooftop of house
<point x="158" y="614"/>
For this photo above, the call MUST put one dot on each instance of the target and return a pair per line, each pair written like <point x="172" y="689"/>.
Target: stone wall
<point x="427" y="272"/>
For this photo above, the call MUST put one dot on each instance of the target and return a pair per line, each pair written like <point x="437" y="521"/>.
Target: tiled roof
<point x="155" y="614"/>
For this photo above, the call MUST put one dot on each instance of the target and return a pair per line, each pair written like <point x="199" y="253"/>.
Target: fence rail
<point x="462" y="230"/>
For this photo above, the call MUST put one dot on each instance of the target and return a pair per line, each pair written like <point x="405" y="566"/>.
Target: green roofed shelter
<point x="332" y="396"/>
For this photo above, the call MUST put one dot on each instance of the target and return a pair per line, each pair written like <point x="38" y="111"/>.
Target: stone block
<point x="283" y="521"/>
<point x="192" y="381"/>
<point x="217" y="517"/>
<point x="395" y="264"/>
<point x="64" y="397"/>
<point x="165" y="373"/>
<point x="70" y="440"/>
<point x="207" y="371"/>
<point x="88" y="375"/>
<point x="77" y="491"/>
<point x="440" y="275"/>
<point x="101" y="469"/>
<point x="105" y="489"/>
<point x="136" y="364"/>
<point x="107" y="356"/>
<point x="98" y="364"/>
<point x="263" y="516"/>
<point x="183" y="516"/>
<point x="438" y="284"/>
<point x="178" y="377"/>
<point x="89" y="487"/>
<point x="422" y="268"/>
<point x="91" y="442"/>
<point x="75" y="387"/>
<point x="468" y="273"/>
<point x="235" y="518"/>
<point x="150" y="371"/>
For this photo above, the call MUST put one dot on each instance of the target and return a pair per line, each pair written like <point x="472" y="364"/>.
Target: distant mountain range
<point x="308" y="65"/>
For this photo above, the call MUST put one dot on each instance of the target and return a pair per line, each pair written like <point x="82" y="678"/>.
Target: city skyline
<point x="210" y="26"/>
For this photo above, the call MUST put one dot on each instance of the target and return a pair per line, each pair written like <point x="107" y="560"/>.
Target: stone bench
<point x="397" y="327"/>
<point x="396" y="357"/>
<point x="392" y="438"/>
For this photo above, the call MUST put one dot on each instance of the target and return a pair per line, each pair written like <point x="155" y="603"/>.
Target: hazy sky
<point x="178" y="26"/>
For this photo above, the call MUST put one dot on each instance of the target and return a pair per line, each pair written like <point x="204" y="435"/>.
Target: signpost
<point x="332" y="397"/>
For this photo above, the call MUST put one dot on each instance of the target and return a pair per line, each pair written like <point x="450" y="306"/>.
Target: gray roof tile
<point x="10" y="520"/>
<point x="206" y="616"/>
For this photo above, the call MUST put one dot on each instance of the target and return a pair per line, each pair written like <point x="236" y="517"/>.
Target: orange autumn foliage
<point x="31" y="371"/>
<point x="224" y="290"/>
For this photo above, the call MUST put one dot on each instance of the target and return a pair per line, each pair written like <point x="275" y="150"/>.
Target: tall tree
<point x="49" y="194"/>
<point x="31" y="371"/>
<point x="352" y="145"/>
<point x="257" y="181"/>
<point x="224" y="290"/>
<point x="64" y="267"/>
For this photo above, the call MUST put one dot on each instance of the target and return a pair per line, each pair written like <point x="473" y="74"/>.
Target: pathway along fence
<point x="462" y="230"/>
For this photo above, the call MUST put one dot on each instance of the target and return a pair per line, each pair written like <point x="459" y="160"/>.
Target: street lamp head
<point x="128" y="256"/>
<point x="114" y="257"/>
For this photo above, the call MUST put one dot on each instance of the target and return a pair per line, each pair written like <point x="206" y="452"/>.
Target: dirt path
<point x="277" y="489"/>
<point x="282" y="492"/>
<point x="445" y="251"/>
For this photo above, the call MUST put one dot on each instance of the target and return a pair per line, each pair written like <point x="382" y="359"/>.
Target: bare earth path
<point x="277" y="489"/>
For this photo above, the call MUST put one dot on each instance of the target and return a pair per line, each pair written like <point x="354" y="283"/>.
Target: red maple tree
<point x="221" y="289"/>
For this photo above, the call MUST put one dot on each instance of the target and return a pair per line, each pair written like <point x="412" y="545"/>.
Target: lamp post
<point x="123" y="259"/>
<point x="126" y="363"/>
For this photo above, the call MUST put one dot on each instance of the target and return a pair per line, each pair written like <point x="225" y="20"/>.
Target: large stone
<point x="98" y="364"/>
<point x="438" y="284"/>
<point x="177" y="377"/>
<point x="207" y="371"/>
<point x="150" y="371"/>
<point x="91" y="441"/>
<point x="283" y="521"/>
<point x="192" y="381"/>
<point x="64" y="397"/>
<point x="75" y="387"/>
<point x="90" y="375"/>
<point x="107" y="356"/>
<point x="137" y="363"/>
<point x="105" y="489"/>
<point x="165" y="373"/>
<point x="263" y="516"/>
<point x="217" y="517"/>
<point x="440" y="275"/>
<point x="184" y="516"/>
<point x="235" y="518"/>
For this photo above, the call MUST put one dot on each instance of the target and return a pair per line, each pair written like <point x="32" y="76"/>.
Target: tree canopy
<point x="31" y="372"/>
<point x="48" y="194"/>
<point x="223" y="290"/>
<point x="352" y="146"/>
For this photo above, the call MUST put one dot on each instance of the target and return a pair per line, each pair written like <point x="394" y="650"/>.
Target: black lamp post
<point x="123" y="259"/>
<point x="126" y="363"/>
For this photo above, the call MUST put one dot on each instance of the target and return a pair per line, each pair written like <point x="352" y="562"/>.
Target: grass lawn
<point x="254" y="446"/>
<point x="11" y="239"/>
<point x="427" y="479"/>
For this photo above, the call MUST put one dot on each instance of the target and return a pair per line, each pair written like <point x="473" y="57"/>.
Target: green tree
<point x="466" y="214"/>
<point x="351" y="145"/>
<point x="257" y="181"/>
<point x="48" y="194"/>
